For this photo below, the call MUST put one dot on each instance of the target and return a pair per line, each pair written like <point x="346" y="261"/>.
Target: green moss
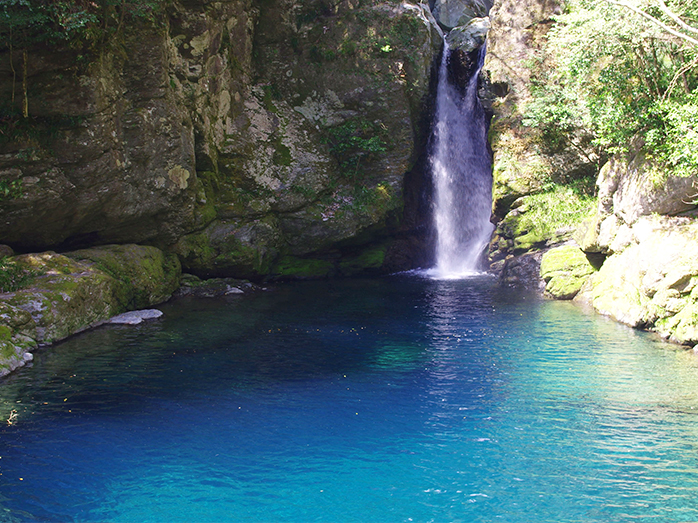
<point x="282" y="154"/>
<point x="354" y="143"/>
<point x="565" y="269"/>
<point x="5" y="333"/>
<point x="544" y="216"/>
<point x="7" y="351"/>
<point x="291" y="267"/>
<point x="568" y="258"/>
<point x="14" y="276"/>
<point x="146" y="275"/>
<point x="367" y="260"/>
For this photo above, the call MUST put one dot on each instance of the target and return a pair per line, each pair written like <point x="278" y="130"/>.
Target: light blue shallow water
<point x="392" y="400"/>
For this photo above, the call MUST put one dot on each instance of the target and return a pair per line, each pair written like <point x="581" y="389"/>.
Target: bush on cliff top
<point x="625" y="69"/>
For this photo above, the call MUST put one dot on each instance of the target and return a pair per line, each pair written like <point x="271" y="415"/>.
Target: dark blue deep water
<point x="392" y="400"/>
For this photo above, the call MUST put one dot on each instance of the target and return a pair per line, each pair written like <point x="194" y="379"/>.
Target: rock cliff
<point x="634" y="258"/>
<point x="248" y="138"/>
<point x="242" y="135"/>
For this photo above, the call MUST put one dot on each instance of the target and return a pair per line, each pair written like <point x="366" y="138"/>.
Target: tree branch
<point x="652" y="19"/>
<point x="678" y="75"/>
<point x="675" y="18"/>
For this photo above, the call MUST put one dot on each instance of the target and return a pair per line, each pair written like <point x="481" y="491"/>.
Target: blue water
<point x="400" y="399"/>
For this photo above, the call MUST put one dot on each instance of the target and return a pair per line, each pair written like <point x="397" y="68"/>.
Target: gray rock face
<point x="286" y="127"/>
<point x="636" y="191"/>
<point x="650" y="275"/>
<point x="628" y="189"/>
<point x="454" y="13"/>
<point x="470" y="36"/>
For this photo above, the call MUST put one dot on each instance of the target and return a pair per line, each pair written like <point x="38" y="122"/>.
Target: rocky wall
<point x="236" y="134"/>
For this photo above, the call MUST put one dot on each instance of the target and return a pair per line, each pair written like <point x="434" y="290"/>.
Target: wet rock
<point x="469" y="37"/>
<point x="520" y="271"/>
<point x="194" y="287"/>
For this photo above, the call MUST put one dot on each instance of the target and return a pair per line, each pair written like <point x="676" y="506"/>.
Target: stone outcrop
<point x="565" y="270"/>
<point x="455" y="13"/>
<point x="242" y="133"/>
<point x="72" y="292"/>
<point x="523" y="161"/>
<point x="650" y="273"/>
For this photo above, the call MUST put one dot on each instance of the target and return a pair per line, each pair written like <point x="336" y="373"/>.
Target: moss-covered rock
<point x="564" y="270"/>
<point x="368" y="260"/>
<point x="68" y="297"/>
<point x="295" y="268"/>
<point x="651" y="283"/>
<point x="145" y="275"/>
<point x="71" y="293"/>
<point x="17" y="333"/>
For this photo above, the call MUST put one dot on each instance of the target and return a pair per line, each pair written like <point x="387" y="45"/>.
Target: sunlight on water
<point x="402" y="399"/>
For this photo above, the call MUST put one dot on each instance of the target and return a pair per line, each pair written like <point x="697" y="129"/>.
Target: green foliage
<point x="10" y="190"/>
<point x="24" y="23"/>
<point x="619" y="76"/>
<point x="14" y="276"/>
<point x="354" y="141"/>
<point x="540" y="216"/>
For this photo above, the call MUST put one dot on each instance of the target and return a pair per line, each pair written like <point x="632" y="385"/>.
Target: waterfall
<point x="462" y="174"/>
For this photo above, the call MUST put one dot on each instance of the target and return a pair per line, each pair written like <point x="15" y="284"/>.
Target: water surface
<point x="401" y="399"/>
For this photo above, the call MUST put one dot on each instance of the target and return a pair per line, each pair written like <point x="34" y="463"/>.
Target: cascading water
<point x="462" y="174"/>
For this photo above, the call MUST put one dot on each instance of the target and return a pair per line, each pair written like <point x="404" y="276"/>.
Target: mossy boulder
<point x="17" y="333"/>
<point x="145" y="275"/>
<point x="70" y="293"/>
<point x="366" y="261"/>
<point x="653" y="281"/>
<point x="67" y="297"/>
<point x="564" y="270"/>
<point x="295" y="268"/>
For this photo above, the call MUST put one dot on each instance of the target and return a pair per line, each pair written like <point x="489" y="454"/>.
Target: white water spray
<point x="462" y="174"/>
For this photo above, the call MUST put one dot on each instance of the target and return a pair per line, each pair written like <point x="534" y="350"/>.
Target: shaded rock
<point x="520" y="271"/>
<point x="135" y="317"/>
<point x="6" y="250"/>
<point x="291" y="128"/>
<point x="145" y="275"/>
<point x="194" y="287"/>
<point x="565" y="269"/>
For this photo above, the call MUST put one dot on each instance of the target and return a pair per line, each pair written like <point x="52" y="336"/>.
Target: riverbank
<point x="52" y="296"/>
